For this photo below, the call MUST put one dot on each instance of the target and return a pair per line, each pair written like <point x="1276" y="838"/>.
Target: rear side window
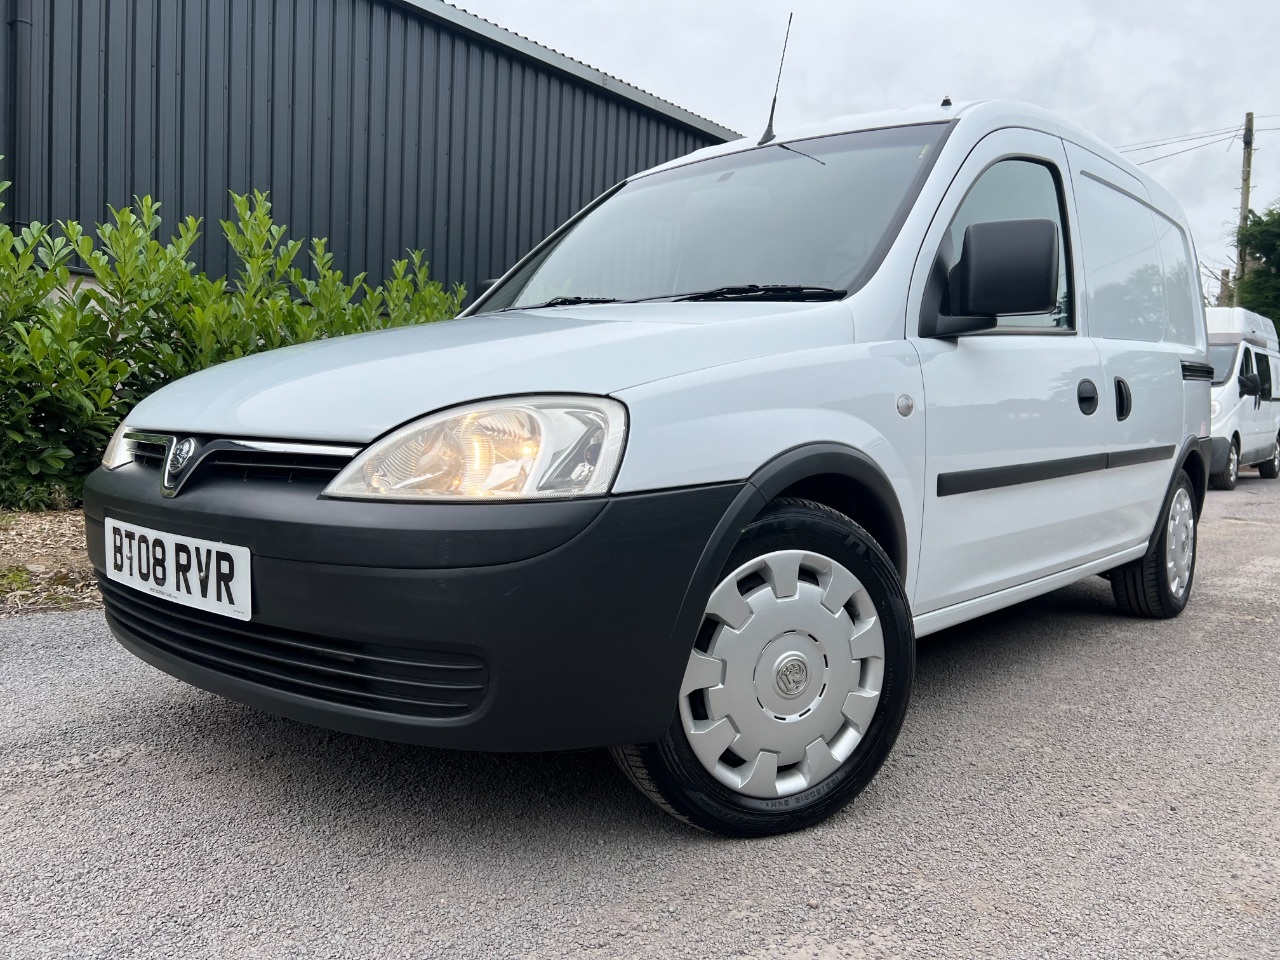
<point x="1181" y="284"/>
<point x="1124" y="281"/>
<point x="1015" y="190"/>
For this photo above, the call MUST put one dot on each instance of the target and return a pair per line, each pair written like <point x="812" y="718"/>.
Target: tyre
<point x="1270" y="469"/>
<point x="1159" y="584"/>
<point x="797" y="684"/>
<point x="1226" y="479"/>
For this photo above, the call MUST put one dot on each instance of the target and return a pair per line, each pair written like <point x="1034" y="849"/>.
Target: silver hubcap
<point x="1180" y="543"/>
<point x="1233" y="462"/>
<point x="790" y="679"/>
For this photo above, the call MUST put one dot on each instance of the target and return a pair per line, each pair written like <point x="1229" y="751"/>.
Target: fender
<point x="1193" y="447"/>
<point x="771" y="479"/>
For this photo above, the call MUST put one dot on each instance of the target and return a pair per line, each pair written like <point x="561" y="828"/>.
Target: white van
<point x="1245" y="407"/>
<point x="691" y="479"/>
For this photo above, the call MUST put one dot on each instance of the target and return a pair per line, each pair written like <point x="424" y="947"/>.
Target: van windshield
<point x="806" y="219"/>
<point x="1223" y="358"/>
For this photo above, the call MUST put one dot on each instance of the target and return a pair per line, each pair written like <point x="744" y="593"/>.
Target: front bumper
<point x="1219" y="448"/>
<point x="533" y="626"/>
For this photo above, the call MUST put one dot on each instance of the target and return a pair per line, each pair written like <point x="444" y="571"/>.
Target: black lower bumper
<point x="536" y="626"/>
<point x="1219" y="447"/>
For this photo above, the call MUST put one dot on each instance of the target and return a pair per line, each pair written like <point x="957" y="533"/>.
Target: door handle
<point x="1124" y="399"/>
<point x="1087" y="397"/>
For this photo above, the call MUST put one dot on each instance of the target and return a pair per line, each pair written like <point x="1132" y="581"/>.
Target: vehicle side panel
<point x="1003" y="401"/>
<point x="725" y="422"/>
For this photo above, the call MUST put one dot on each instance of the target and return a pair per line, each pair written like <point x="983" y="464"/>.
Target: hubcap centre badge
<point x="792" y="676"/>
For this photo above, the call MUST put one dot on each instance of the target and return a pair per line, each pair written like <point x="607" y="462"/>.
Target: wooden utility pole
<point x="1246" y="171"/>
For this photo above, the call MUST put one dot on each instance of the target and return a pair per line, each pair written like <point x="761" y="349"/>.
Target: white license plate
<point x="196" y="573"/>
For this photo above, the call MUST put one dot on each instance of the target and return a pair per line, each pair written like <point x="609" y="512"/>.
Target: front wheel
<point x="1159" y="584"/>
<point x="1226" y="479"/>
<point x="797" y="684"/>
<point x="1271" y="468"/>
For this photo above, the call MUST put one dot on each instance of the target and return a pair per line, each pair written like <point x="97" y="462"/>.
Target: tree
<point x="1260" y="288"/>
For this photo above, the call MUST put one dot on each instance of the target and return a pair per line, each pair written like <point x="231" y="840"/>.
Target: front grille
<point x="394" y="680"/>
<point x="148" y="453"/>
<point x="240" y="460"/>
<point x="261" y="465"/>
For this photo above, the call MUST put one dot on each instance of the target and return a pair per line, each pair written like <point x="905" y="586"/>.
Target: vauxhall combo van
<point x="690" y="480"/>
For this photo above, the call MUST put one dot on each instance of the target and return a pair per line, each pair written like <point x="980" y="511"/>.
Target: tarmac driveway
<point x="1068" y="783"/>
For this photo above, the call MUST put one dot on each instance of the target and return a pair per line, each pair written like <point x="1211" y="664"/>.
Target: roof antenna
<point x="768" y="130"/>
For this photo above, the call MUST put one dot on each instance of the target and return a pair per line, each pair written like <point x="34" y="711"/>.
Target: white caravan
<point x="691" y="479"/>
<point x="1245" y="355"/>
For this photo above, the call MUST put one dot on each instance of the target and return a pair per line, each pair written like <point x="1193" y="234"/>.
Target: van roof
<point x="1234" y="324"/>
<point x="979" y="117"/>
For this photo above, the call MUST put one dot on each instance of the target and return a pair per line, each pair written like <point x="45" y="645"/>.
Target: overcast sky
<point x="1129" y="71"/>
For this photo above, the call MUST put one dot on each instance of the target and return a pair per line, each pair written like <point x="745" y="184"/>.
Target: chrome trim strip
<point x="317" y="449"/>
<point x="163" y="438"/>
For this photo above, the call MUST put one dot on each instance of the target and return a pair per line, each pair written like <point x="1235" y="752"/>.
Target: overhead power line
<point x="1167" y="141"/>
<point x="1175" y="153"/>
<point x="1197" y="146"/>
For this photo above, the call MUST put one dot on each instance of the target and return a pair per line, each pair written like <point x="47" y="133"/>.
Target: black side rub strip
<point x="989" y="478"/>
<point x="1191" y="370"/>
<point x="1127" y="458"/>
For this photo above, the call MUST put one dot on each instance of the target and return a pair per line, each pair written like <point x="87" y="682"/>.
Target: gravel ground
<point x="1068" y="783"/>
<point x="43" y="565"/>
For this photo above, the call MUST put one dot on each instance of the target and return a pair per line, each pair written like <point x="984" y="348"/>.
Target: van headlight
<point x="119" y="450"/>
<point x="522" y="448"/>
<point x="1215" y="408"/>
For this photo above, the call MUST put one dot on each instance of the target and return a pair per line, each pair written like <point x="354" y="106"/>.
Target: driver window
<point x="1246" y="363"/>
<point x="1016" y="190"/>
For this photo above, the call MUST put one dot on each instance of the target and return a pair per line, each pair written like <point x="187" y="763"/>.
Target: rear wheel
<point x="1159" y="585"/>
<point x="1270" y="469"/>
<point x="1226" y="479"/>
<point x="797" y="685"/>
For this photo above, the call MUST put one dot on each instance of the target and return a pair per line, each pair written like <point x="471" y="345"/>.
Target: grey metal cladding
<point x="382" y="125"/>
<point x="8" y="102"/>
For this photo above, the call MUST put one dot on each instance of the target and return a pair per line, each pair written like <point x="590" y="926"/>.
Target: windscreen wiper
<point x="766" y="291"/>
<point x="560" y="302"/>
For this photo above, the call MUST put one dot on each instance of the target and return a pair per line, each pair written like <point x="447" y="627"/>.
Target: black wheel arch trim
<point x="768" y="481"/>
<point x="827" y="459"/>
<point x="1198" y="448"/>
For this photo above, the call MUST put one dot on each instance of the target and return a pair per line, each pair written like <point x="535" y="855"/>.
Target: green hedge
<point x="75" y="356"/>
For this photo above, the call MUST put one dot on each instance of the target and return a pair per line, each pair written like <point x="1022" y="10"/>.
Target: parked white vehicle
<point x="691" y="479"/>
<point x="1245" y="408"/>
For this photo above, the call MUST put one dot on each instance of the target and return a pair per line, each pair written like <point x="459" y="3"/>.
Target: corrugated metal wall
<point x="8" y="102"/>
<point x="369" y="122"/>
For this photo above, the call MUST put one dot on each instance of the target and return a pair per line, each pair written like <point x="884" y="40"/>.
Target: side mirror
<point x="1007" y="267"/>
<point x="1250" y="385"/>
